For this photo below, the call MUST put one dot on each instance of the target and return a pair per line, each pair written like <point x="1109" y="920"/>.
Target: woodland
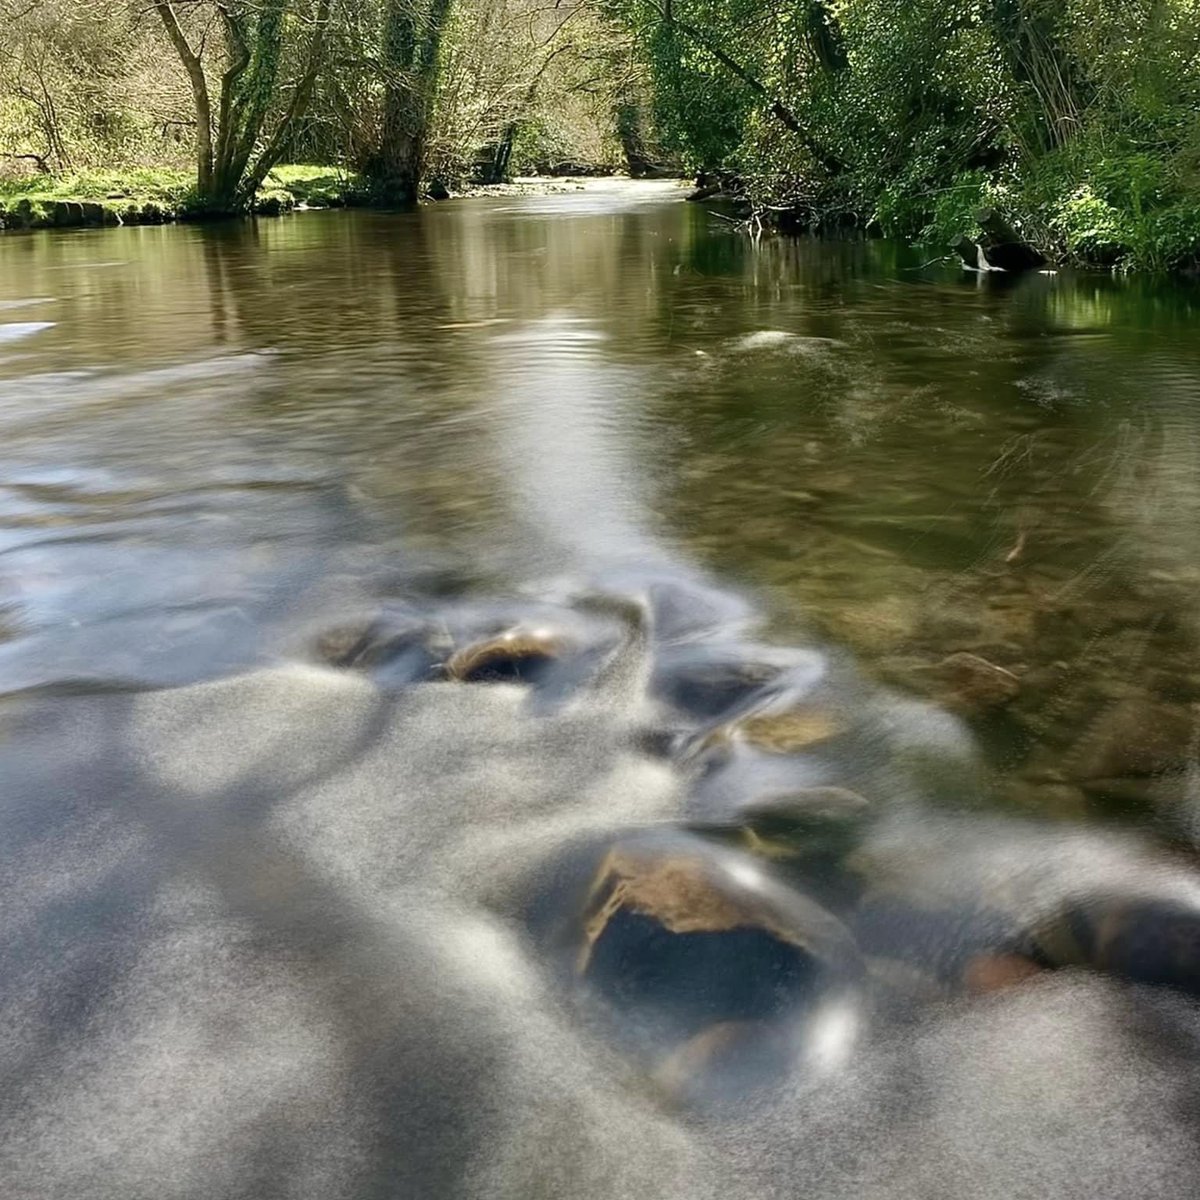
<point x="1079" y="120"/>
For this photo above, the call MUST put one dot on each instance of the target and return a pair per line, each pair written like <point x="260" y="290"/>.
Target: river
<point x="551" y="696"/>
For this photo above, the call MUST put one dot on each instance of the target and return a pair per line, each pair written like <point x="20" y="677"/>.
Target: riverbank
<point x="159" y="196"/>
<point x="163" y="196"/>
<point x="1068" y="228"/>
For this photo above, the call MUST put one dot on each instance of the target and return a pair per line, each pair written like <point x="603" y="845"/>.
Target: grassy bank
<point x="154" y="197"/>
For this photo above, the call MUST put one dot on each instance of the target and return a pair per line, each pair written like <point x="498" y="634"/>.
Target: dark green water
<point x="761" y="758"/>
<point x="225" y="430"/>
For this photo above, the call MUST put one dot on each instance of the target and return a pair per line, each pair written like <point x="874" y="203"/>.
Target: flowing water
<point x="551" y="697"/>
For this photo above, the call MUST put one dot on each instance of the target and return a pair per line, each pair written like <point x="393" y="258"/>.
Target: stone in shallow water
<point x="1144" y="939"/>
<point x="1136" y="737"/>
<point x="993" y="972"/>
<point x="514" y="656"/>
<point x="964" y="683"/>
<point x="678" y="935"/>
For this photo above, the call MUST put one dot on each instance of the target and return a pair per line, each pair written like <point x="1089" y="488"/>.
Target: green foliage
<point x="1131" y="209"/>
<point x="317" y="186"/>
<point x="1079" y="120"/>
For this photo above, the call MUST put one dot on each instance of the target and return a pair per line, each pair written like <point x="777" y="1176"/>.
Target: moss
<point x="154" y="196"/>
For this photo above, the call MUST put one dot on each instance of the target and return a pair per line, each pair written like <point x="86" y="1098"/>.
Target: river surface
<point x="415" y="628"/>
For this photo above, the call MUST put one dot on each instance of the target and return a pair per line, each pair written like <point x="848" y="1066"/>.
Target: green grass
<point x="318" y="187"/>
<point x="152" y="195"/>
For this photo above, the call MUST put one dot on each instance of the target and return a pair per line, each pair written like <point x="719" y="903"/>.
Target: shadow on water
<point x="766" y="710"/>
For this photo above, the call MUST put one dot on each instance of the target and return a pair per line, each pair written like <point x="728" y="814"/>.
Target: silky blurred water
<point x="212" y="437"/>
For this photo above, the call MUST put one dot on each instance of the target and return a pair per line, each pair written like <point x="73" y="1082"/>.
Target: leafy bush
<point x="1079" y="120"/>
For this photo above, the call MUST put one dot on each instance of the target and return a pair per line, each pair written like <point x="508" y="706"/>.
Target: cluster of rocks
<point x="807" y="875"/>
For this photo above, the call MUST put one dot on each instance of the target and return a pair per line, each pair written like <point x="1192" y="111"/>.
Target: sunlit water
<point x="830" y="830"/>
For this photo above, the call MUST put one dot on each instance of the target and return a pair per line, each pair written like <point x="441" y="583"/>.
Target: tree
<point x="242" y="137"/>
<point x="410" y="55"/>
<point x="65" y="73"/>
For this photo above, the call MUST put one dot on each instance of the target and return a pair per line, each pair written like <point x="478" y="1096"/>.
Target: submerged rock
<point x="964" y="683"/>
<point x="681" y="939"/>
<point x="1145" y="939"/>
<point x="993" y="972"/>
<point x="1138" y="736"/>
<point x="971" y="684"/>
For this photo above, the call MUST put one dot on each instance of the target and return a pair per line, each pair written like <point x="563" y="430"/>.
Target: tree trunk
<point x="774" y="103"/>
<point x="272" y="152"/>
<point x="411" y="51"/>
<point x="195" y="71"/>
<point x="228" y="175"/>
<point x="825" y="36"/>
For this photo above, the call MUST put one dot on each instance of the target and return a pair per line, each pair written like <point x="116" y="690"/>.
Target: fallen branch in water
<point x="930" y="263"/>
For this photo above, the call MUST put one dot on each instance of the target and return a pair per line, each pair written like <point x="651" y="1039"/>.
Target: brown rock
<point x="1055" y="801"/>
<point x="509" y="656"/>
<point x="971" y="685"/>
<point x="686" y="886"/>
<point x="1136" y="737"/>
<point x="796" y="729"/>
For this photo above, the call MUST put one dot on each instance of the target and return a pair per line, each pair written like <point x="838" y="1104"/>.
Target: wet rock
<point x="1043" y="681"/>
<point x="1052" y="800"/>
<point x="1136" y="737"/>
<point x="724" y="1062"/>
<point x="793" y="730"/>
<point x="971" y="685"/>
<point x="682" y="607"/>
<point x="933" y="923"/>
<point x="343" y="645"/>
<point x="678" y="935"/>
<point x="1153" y="940"/>
<point x="705" y="683"/>
<point x="396" y="648"/>
<point x="965" y="683"/>
<point x="823" y="823"/>
<point x="516" y="656"/>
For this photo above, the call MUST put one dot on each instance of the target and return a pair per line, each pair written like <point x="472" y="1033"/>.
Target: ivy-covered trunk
<point x="410" y="55"/>
<point x="239" y="143"/>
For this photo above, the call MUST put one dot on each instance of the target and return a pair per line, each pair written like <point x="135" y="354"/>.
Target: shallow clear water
<point x="220" y="443"/>
<point x="209" y="431"/>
